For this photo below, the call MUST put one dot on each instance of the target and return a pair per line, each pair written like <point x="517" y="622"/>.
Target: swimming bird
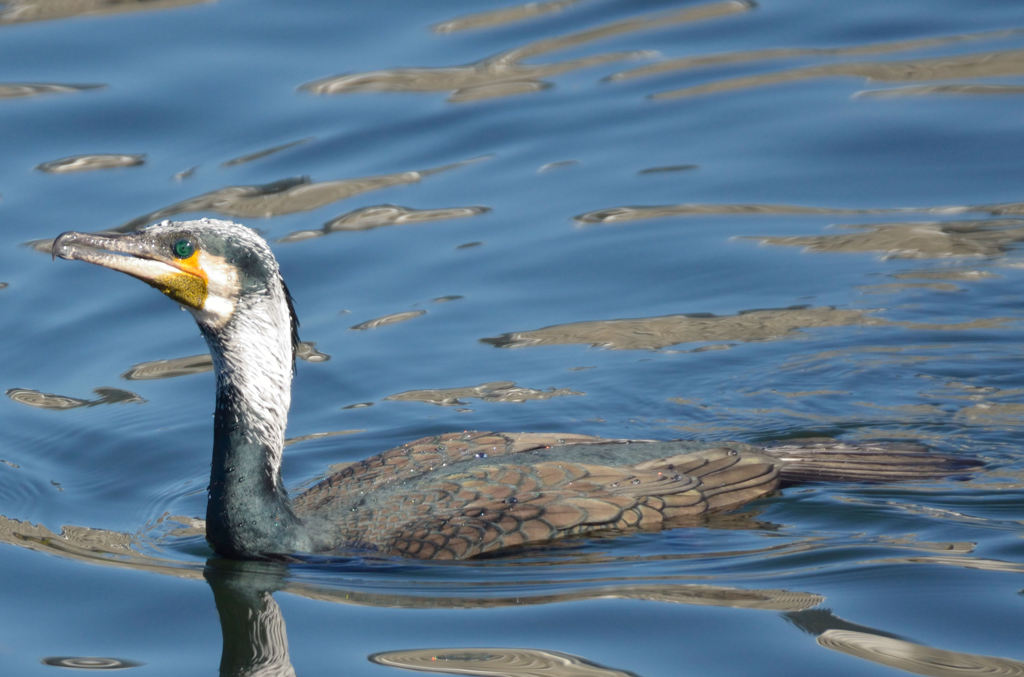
<point x="449" y="496"/>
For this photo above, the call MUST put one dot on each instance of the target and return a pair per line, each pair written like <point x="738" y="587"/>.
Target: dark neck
<point x="248" y="514"/>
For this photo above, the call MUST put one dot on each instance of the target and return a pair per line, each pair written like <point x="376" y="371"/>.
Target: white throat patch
<point x="222" y="289"/>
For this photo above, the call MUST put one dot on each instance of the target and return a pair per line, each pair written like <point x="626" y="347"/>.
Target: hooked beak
<point x="141" y="256"/>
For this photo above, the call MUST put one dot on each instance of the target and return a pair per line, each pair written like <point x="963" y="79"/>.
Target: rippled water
<point x="713" y="220"/>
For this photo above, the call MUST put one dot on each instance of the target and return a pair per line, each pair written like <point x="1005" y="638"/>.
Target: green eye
<point x="184" y="248"/>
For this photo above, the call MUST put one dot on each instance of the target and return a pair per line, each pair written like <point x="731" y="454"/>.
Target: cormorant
<point x="450" y="496"/>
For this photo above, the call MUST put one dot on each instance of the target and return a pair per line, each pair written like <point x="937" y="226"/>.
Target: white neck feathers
<point x="253" y="358"/>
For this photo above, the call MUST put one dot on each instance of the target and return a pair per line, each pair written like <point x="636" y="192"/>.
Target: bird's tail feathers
<point x="828" y="460"/>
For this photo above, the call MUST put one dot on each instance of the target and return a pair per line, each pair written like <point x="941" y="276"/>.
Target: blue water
<point x="837" y="185"/>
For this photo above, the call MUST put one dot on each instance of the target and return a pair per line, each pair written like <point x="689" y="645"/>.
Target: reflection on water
<point x="285" y="196"/>
<point x="654" y="333"/>
<point x="637" y="213"/>
<point x="495" y="391"/>
<point x="910" y="239"/>
<point x="670" y="592"/>
<point x="505" y="15"/>
<point x="993" y="413"/>
<point x="197" y="364"/>
<point x="668" y="168"/>
<point x="255" y="639"/>
<point x="377" y="216"/>
<point x="253" y="631"/>
<point x="320" y="435"/>
<point x="916" y="658"/>
<point x="762" y="55"/>
<point x="40" y="400"/>
<point x="90" y="662"/>
<point x="385" y="320"/>
<point x="619" y="214"/>
<point x="929" y="90"/>
<point x="20" y="11"/>
<point x="865" y="643"/>
<point x="920" y="240"/>
<point x="505" y="74"/>
<point x="980" y="406"/>
<point x="946" y="274"/>
<point x="265" y="152"/>
<point x="96" y="546"/>
<point x="85" y="163"/>
<point x="15" y="90"/>
<point x="898" y="287"/>
<point x="981" y="563"/>
<point x="962" y="66"/>
<point x="503" y="662"/>
<point x="172" y="368"/>
<point x="253" y="628"/>
<point x="307" y="351"/>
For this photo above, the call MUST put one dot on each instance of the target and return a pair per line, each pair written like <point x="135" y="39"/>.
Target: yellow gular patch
<point x="188" y="287"/>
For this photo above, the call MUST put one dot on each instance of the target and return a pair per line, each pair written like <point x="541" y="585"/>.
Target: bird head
<point x="208" y="266"/>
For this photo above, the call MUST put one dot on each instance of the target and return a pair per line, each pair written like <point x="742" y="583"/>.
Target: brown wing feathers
<point x="492" y="507"/>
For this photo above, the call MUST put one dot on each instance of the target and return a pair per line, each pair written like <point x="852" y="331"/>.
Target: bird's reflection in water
<point x="251" y="623"/>
<point x="255" y="640"/>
